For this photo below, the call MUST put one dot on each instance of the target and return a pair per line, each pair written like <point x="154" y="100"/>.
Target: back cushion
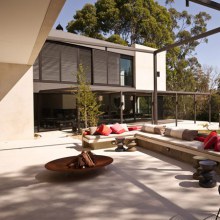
<point x="189" y="135"/>
<point x="200" y="138"/>
<point x="117" y="129"/>
<point x="93" y="130"/>
<point x="104" y="130"/>
<point x="125" y="127"/>
<point x="180" y="133"/>
<point x="211" y="134"/>
<point x="155" y="129"/>
<point x="210" y="140"/>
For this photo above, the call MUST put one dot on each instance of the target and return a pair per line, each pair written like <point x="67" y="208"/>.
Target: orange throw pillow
<point x="104" y="130"/>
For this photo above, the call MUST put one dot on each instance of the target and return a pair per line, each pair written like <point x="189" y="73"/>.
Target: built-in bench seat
<point x="153" y="139"/>
<point x="176" y="148"/>
<point x="101" y="141"/>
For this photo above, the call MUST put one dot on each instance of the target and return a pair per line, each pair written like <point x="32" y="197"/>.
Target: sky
<point x="207" y="54"/>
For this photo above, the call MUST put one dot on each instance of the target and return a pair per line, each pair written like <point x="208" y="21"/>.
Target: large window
<point x="99" y="67"/>
<point x="85" y="58"/>
<point x="58" y="62"/>
<point x="113" y="68"/>
<point x="126" y="71"/>
<point x="68" y="63"/>
<point x="50" y="62"/>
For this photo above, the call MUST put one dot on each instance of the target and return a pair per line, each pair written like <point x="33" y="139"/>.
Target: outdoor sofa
<point x="91" y="139"/>
<point x="176" y="146"/>
<point x="173" y="142"/>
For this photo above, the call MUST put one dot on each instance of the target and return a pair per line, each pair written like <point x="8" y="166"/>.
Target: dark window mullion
<point x="40" y="66"/>
<point x="92" y="68"/>
<point x="106" y="51"/>
<point x="60" y="70"/>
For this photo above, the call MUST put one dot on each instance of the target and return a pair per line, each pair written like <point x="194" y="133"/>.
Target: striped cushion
<point x="180" y="133"/>
<point x="155" y="129"/>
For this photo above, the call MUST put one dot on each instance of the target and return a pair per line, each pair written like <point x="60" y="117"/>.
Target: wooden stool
<point x="207" y="174"/>
<point x="120" y="141"/>
<point x="131" y="144"/>
<point x="197" y="166"/>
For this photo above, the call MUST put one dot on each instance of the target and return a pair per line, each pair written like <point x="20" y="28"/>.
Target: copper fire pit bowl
<point x="61" y="164"/>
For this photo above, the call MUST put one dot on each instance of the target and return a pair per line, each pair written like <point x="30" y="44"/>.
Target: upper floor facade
<point x="106" y="64"/>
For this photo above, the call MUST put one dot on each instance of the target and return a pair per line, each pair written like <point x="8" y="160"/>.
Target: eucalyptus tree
<point x="148" y="23"/>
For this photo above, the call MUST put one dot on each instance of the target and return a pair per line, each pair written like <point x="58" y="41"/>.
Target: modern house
<point x="121" y="76"/>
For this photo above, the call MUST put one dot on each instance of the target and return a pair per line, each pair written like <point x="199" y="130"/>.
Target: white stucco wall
<point x="144" y="69"/>
<point x="16" y="102"/>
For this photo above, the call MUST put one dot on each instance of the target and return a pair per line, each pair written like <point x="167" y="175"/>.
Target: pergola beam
<point x="197" y="37"/>
<point x="207" y="3"/>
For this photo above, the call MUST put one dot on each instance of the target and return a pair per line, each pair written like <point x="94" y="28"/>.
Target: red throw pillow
<point x="86" y="133"/>
<point x="217" y="144"/>
<point x="132" y="128"/>
<point x="104" y="130"/>
<point x="211" y="134"/>
<point x="210" y="142"/>
<point x="117" y="129"/>
<point x="200" y="138"/>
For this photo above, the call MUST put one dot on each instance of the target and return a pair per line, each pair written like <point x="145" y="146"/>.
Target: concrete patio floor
<point x="137" y="185"/>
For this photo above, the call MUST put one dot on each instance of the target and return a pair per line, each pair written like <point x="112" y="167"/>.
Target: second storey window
<point x="58" y="62"/>
<point x="126" y="71"/>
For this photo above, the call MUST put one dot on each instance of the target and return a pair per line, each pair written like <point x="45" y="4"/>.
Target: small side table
<point x="196" y="175"/>
<point x="207" y="174"/>
<point x="130" y="144"/>
<point x="120" y="141"/>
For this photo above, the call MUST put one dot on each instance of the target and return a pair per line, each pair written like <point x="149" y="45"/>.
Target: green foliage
<point x="215" y="103"/>
<point x="148" y="23"/>
<point x="141" y="21"/>
<point x="85" y="22"/>
<point x="115" y="38"/>
<point x="182" y="65"/>
<point x="86" y="100"/>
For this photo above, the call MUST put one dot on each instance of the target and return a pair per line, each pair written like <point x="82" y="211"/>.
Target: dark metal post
<point x="176" y="111"/>
<point x="39" y="107"/>
<point x="155" y="111"/>
<point x="195" y="108"/>
<point x="134" y="103"/>
<point x="152" y="108"/>
<point x="121" y="108"/>
<point x="77" y="117"/>
<point x="219" y="119"/>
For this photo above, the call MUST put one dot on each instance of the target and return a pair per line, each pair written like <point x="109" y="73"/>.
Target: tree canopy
<point x="147" y="23"/>
<point x="135" y="21"/>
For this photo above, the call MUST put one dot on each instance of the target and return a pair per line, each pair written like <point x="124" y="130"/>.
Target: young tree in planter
<point x="86" y="100"/>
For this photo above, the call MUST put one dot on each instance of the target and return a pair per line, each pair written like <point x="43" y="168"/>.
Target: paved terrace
<point x="139" y="185"/>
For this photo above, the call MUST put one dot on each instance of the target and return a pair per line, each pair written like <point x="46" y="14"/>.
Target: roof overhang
<point x="114" y="90"/>
<point x="25" y="25"/>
